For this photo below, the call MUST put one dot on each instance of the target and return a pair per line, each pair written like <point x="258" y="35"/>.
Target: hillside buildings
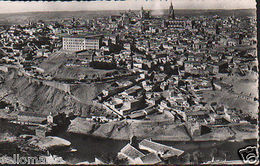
<point x="154" y="69"/>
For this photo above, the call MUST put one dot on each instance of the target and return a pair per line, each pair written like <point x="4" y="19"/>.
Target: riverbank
<point x="124" y="130"/>
<point x="48" y="142"/>
<point x="160" y="131"/>
<point x="26" y="146"/>
<point x="89" y="147"/>
<point x="19" y="139"/>
<point x="6" y="137"/>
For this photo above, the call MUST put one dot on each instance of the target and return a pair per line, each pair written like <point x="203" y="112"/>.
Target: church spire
<point x="171" y="12"/>
<point x="142" y="12"/>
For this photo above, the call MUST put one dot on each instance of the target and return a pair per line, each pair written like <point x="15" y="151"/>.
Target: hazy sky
<point x="11" y="7"/>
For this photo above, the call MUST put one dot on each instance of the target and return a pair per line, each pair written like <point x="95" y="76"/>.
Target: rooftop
<point x="31" y="114"/>
<point x="83" y="36"/>
<point x="160" y="148"/>
<point x="151" y="158"/>
<point x="131" y="152"/>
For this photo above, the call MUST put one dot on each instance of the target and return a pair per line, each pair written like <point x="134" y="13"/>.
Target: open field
<point x="55" y="66"/>
<point x="240" y="96"/>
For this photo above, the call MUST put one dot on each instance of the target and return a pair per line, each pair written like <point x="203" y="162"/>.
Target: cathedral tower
<point x="142" y="12"/>
<point x="171" y="12"/>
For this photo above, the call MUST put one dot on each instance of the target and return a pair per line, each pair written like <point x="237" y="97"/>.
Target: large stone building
<point x="172" y="22"/>
<point x="78" y="43"/>
<point x="144" y="14"/>
<point x="177" y="24"/>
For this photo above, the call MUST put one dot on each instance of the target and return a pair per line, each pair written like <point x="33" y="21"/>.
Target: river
<point x="89" y="147"/>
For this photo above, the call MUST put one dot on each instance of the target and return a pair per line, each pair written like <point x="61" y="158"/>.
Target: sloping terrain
<point x="55" y="66"/>
<point x="37" y="97"/>
<point x="123" y="130"/>
<point x="242" y="95"/>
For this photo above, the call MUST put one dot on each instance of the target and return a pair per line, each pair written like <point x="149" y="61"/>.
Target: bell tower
<point x="142" y="12"/>
<point x="171" y="12"/>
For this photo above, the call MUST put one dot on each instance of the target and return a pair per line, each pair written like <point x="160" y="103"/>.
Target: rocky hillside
<point x="124" y="130"/>
<point x="39" y="97"/>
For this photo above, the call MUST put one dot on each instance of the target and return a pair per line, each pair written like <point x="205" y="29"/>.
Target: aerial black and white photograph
<point x="126" y="82"/>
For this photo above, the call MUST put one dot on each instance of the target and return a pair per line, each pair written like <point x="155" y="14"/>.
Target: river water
<point x="89" y="147"/>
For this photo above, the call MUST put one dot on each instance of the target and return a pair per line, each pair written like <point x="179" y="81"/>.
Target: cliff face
<point x="42" y="97"/>
<point x="123" y="130"/>
<point x="161" y="131"/>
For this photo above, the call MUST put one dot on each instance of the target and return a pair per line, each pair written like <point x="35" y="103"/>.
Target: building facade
<point x="78" y="43"/>
<point x="177" y="24"/>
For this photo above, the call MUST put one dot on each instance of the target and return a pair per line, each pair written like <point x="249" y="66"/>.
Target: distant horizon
<point x="113" y="10"/>
<point x="8" y="7"/>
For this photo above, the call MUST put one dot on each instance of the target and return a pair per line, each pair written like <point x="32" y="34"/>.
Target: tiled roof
<point x="137" y="114"/>
<point x="82" y="36"/>
<point x="31" y="114"/>
<point x="131" y="152"/>
<point x="159" y="148"/>
<point x="151" y="158"/>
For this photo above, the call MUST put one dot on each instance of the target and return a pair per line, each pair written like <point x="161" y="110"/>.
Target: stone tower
<point x="171" y="12"/>
<point x="93" y="56"/>
<point x="142" y="12"/>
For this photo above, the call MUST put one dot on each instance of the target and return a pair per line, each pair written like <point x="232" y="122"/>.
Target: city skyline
<point x="17" y="7"/>
<point x="89" y="83"/>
